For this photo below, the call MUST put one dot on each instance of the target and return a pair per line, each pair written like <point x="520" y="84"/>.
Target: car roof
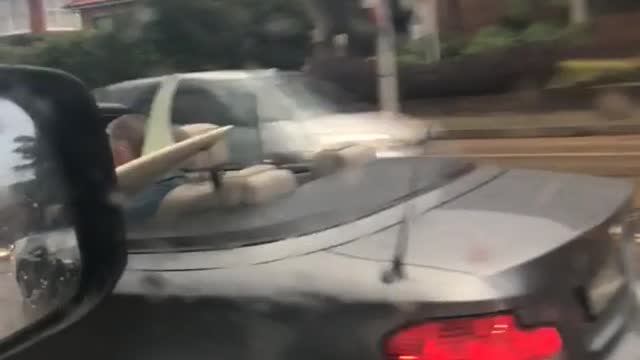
<point x="205" y="75"/>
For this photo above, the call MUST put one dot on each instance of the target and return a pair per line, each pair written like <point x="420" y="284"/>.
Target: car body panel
<point x="478" y="261"/>
<point x="321" y="295"/>
<point x="555" y="209"/>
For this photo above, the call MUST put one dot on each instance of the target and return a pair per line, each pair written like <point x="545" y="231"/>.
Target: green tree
<point x="42" y="188"/>
<point x="614" y="6"/>
<point x="209" y="34"/>
<point x="98" y="58"/>
<point x="187" y="35"/>
<point x="335" y="17"/>
<point x="276" y="34"/>
<point x="26" y="147"/>
<point x="194" y="34"/>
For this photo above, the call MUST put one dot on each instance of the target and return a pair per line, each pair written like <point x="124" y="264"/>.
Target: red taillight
<point x="489" y="338"/>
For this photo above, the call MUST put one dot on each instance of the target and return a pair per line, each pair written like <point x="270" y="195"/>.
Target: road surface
<point x="606" y="155"/>
<point x="12" y="316"/>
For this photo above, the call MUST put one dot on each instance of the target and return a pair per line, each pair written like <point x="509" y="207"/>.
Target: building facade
<point x="36" y="16"/>
<point x="102" y="14"/>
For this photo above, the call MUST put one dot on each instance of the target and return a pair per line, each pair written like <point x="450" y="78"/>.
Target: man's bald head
<point x="126" y="137"/>
<point x="128" y="130"/>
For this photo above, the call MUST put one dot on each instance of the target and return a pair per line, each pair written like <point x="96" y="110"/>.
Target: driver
<point x="126" y="138"/>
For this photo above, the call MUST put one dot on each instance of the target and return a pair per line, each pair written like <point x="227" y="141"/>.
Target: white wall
<point x="14" y="17"/>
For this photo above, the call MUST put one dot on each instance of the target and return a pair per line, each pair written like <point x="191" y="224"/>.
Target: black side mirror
<point x="62" y="246"/>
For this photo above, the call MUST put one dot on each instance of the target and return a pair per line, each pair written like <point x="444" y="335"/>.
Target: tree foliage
<point x="43" y="186"/>
<point x="95" y="57"/>
<point x="228" y="33"/>
<point x="614" y="6"/>
<point x="492" y="37"/>
<point x="186" y="35"/>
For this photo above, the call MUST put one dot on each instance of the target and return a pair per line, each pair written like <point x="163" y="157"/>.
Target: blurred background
<point x="549" y="84"/>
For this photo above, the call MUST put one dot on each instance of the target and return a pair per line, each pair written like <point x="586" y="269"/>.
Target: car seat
<point x="256" y="185"/>
<point x="251" y="186"/>
<point x="206" y="163"/>
<point x="199" y="191"/>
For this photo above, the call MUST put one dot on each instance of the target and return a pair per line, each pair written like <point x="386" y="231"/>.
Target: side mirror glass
<point x="61" y="239"/>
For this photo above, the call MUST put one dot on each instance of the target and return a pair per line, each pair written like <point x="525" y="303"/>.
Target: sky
<point x="13" y="122"/>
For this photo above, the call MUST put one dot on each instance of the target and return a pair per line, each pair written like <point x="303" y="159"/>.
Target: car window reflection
<point x="39" y="259"/>
<point x="17" y="144"/>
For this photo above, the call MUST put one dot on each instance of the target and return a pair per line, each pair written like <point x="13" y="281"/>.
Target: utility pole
<point x="385" y="56"/>
<point x="426" y="27"/>
<point x="579" y="11"/>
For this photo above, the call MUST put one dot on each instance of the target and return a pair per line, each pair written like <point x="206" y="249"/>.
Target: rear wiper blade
<point x="396" y="271"/>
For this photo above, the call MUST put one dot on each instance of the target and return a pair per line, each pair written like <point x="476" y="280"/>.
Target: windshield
<point x="277" y="97"/>
<point x="302" y="92"/>
<point x="315" y="97"/>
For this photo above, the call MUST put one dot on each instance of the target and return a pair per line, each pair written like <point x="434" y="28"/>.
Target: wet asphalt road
<point x="12" y="316"/>
<point x="603" y="155"/>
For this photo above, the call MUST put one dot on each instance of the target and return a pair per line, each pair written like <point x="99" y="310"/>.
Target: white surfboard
<point x="135" y="175"/>
<point x="158" y="132"/>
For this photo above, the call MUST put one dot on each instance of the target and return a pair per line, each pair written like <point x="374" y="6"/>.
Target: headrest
<point x="331" y="160"/>
<point x="233" y="183"/>
<point x="207" y="159"/>
<point x="248" y="187"/>
<point x="187" y="198"/>
<point x="269" y="185"/>
<point x="256" y="185"/>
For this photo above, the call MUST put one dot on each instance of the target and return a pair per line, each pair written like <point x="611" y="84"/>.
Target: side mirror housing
<point x="62" y="246"/>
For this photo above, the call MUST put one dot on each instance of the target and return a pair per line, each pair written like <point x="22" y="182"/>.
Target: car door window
<point x="142" y="97"/>
<point x="137" y="97"/>
<point x="283" y="135"/>
<point x="197" y="104"/>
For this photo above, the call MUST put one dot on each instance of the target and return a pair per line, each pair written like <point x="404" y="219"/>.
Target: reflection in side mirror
<point x="40" y="272"/>
<point x="54" y="204"/>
